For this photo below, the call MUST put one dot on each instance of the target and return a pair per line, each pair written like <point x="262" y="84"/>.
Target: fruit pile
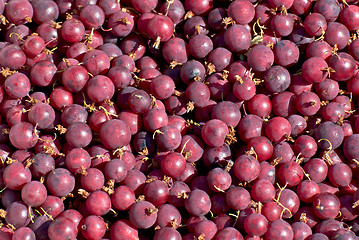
<point x="179" y="119"/>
